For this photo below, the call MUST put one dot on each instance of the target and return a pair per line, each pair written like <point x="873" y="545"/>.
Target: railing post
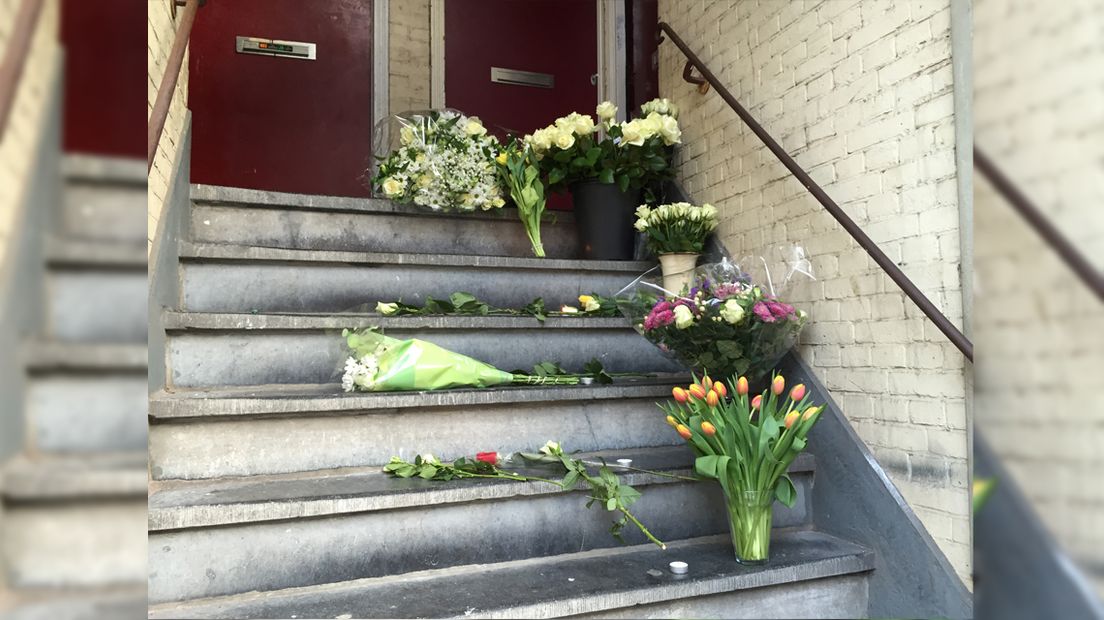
<point x="165" y="91"/>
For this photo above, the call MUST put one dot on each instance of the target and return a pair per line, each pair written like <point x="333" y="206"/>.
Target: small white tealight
<point x="679" y="568"/>
<point x="624" y="462"/>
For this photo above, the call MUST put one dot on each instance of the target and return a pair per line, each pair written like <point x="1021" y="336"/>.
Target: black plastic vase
<point x="604" y="219"/>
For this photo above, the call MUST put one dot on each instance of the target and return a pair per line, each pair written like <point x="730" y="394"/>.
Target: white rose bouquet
<point x="634" y="154"/>
<point x="676" y="227"/>
<point x="444" y="161"/>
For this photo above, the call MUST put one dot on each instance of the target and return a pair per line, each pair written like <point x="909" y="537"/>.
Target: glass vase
<point x="749" y="518"/>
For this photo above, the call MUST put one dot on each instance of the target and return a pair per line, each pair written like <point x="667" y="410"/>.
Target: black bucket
<point x="604" y="218"/>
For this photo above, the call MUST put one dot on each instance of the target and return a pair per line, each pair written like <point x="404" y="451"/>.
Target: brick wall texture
<point x="20" y="142"/>
<point x="161" y="32"/>
<point x="860" y="94"/>
<point x="409" y="56"/>
<point x="1039" y="114"/>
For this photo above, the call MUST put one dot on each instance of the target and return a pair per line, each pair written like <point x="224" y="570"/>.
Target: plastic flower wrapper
<point x="728" y="323"/>
<point x="379" y="363"/>
<point x="440" y="159"/>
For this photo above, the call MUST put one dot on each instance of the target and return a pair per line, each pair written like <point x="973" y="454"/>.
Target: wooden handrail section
<point x="165" y="91"/>
<point x="1035" y="218"/>
<point x="15" y="57"/>
<point x="888" y="266"/>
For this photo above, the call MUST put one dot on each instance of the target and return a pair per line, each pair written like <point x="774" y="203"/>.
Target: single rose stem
<point x="637" y="523"/>
<point x="645" y="471"/>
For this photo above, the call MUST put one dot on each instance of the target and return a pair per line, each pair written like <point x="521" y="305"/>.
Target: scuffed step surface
<point x="572" y="584"/>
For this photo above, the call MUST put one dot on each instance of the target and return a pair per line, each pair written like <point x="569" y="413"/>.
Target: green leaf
<point x="605" y="176"/>
<point x="555" y="175"/>
<point x="611" y="504"/>
<point x="623" y="182"/>
<point x="707" y="465"/>
<point x="570" y="479"/>
<point x="628" y="495"/>
<point x="785" y="492"/>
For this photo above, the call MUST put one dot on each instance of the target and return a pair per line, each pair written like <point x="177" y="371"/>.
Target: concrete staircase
<point x="74" y="498"/>
<point x="267" y="500"/>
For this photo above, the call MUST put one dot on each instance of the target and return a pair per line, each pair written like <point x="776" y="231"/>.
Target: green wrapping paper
<point x="383" y="364"/>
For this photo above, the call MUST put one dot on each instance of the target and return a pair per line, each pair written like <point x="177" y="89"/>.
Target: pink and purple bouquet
<point x="723" y="326"/>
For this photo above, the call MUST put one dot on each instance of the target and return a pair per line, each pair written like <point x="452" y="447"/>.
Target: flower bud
<point x="709" y="429"/>
<point x="680" y="394"/>
<point x="798" y="392"/>
<point x="792" y="417"/>
<point x="697" y="391"/>
<point x="778" y="385"/>
<point x="712" y="399"/>
<point x="720" y="389"/>
<point x="810" y="412"/>
<point x="672" y="421"/>
<point x="487" y="457"/>
<point x="742" y="386"/>
<point x="707" y="383"/>
<point x="684" y="431"/>
<point x="755" y="402"/>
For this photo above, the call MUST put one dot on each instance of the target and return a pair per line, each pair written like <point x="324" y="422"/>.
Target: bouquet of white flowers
<point x="676" y="227"/>
<point x="444" y="161"/>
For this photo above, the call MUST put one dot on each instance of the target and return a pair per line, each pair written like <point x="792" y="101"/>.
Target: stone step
<point x="810" y="575"/>
<point x="231" y="536"/>
<point x="104" y="199"/>
<point x="115" y="603"/>
<point x="74" y="523"/>
<point x="277" y="429"/>
<point x="84" y="413"/>
<point x="233" y="278"/>
<point x="282" y="220"/>
<point x="52" y="357"/>
<point x="69" y="253"/>
<point x="97" y="304"/>
<point x="212" y="349"/>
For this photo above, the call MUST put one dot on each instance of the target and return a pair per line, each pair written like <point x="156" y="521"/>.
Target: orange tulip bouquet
<point x="747" y="444"/>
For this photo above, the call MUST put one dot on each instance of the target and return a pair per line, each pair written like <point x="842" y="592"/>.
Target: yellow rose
<point x="501" y="159"/>
<point x="606" y="111"/>
<point x="392" y="187"/>
<point x="387" y="309"/>
<point x="542" y="139"/>
<point x="669" y="129"/>
<point x="590" y="304"/>
<point x="497" y="202"/>
<point x="474" y="127"/>
<point x="565" y="140"/>
<point x="584" y="125"/>
<point x="424" y="180"/>
<point x="631" y="133"/>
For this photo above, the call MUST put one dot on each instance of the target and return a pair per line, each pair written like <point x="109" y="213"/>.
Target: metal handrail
<point x="1050" y="233"/>
<point x="891" y="269"/>
<point x="165" y="91"/>
<point x="15" y="58"/>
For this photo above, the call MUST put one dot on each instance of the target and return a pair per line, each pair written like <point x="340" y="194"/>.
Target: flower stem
<point x="637" y="523"/>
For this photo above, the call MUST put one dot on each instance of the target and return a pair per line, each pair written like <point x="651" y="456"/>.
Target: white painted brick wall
<point x="160" y="34"/>
<point x="20" y="141"/>
<point x="860" y="93"/>
<point x="409" y="59"/>
<point x="1039" y="114"/>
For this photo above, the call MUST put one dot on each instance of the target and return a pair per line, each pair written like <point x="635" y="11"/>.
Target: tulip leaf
<point x="785" y="492"/>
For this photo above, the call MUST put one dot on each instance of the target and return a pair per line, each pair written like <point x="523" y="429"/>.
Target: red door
<point x="282" y="124"/>
<point x="557" y="37"/>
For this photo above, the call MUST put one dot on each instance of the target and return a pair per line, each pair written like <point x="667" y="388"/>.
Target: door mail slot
<point x="522" y="78"/>
<point x="275" y="47"/>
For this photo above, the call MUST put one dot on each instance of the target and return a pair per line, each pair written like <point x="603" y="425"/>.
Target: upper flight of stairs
<point x="266" y="497"/>
<point x="74" y="498"/>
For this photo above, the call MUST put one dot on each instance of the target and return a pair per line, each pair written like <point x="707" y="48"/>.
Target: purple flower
<point x="779" y="309"/>
<point x="763" y="312"/>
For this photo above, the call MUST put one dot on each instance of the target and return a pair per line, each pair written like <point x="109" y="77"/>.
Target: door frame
<point x="611" y="54"/>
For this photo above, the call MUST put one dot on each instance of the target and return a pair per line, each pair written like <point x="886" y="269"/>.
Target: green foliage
<point x="592" y="158"/>
<point x="462" y="303"/>
<point x="520" y="173"/>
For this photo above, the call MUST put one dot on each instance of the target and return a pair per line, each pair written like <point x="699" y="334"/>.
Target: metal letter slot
<point x="276" y="47"/>
<point x="522" y="78"/>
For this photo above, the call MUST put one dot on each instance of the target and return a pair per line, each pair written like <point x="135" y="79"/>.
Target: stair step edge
<point x="184" y="320"/>
<point x="276" y="399"/>
<point x="101" y="476"/>
<point x="72" y="356"/>
<point x="244" y="197"/>
<point x="190" y="251"/>
<point x="105" y="169"/>
<point x="180" y="504"/>
<point x="61" y="252"/>
<point x="565" y="585"/>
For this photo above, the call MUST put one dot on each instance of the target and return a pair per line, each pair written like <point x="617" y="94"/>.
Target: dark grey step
<point x="68" y="357"/>
<point x="104" y="210"/>
<point x="106" y="476"/>
<point x="369" y="525"/>
<point x="87" y="413"/>
<point x="230" y="278"/>
<point x="207" y="349"/>
<point x="287" y="429"/>
<point x="810" y="575"/>
<point x="102" y="305"/>
<point x="77" y="603"/>
<point x="71" y="253"/>
<point x="276" y="219"/>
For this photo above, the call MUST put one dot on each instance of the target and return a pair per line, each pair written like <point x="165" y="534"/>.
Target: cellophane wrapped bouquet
<point x="733" y="321"/>
<point x="439" y="159"/>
